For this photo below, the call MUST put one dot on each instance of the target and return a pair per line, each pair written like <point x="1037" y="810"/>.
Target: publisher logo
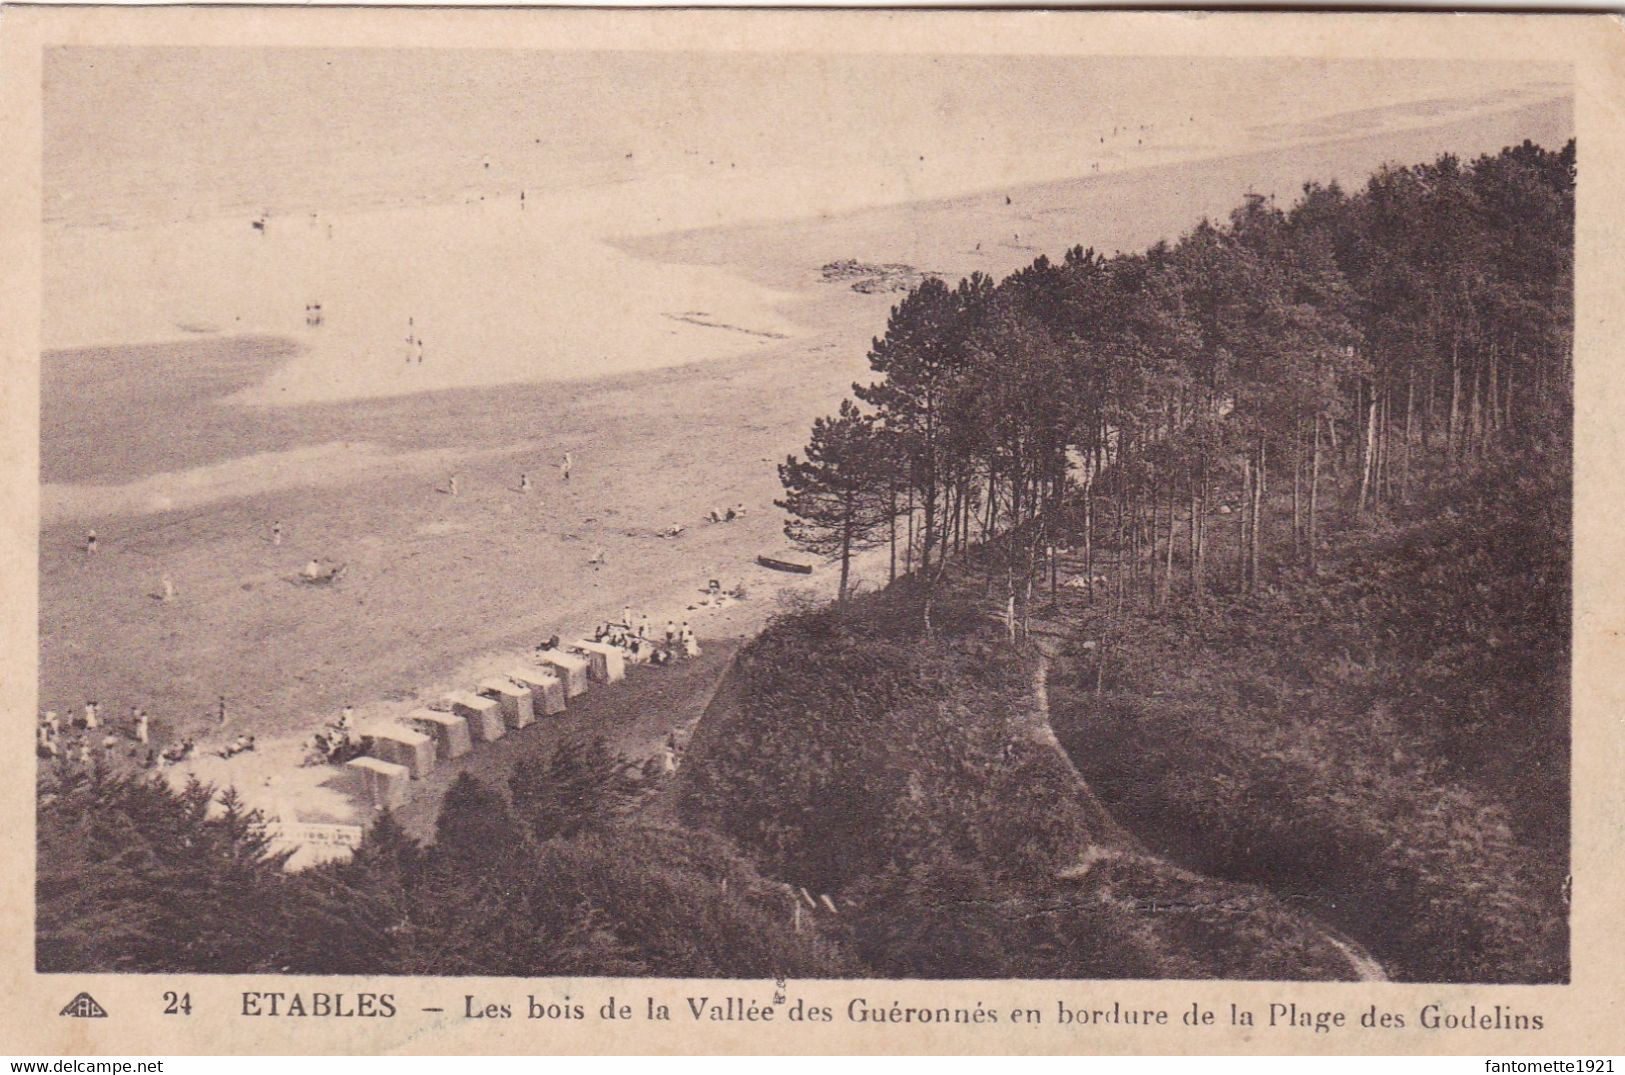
<point x="84" y="1006"/>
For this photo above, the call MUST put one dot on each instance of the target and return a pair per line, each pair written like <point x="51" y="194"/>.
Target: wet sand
<point x="433" y="582"/>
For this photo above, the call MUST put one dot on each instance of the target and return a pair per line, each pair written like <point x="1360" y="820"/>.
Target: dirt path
<point x="1113" y="841"/>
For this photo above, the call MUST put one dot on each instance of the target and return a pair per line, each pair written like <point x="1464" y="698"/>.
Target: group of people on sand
<point x="336" y="743"/>
<point x="717" y="597"/>
<point x="643" y="644"/>
<point x="726" y="515"/>
<point x="240" y="745"/>
<point x="72" y="740"/>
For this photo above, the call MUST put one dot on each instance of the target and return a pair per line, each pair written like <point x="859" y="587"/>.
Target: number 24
<point x="177" y="1004"/>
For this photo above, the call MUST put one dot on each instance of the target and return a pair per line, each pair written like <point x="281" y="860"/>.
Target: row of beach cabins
<point x="400" y="752"/>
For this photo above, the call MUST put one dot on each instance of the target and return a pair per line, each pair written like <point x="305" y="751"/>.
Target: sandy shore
<point x="439" y="591"/>
<point x="433" y="582"/>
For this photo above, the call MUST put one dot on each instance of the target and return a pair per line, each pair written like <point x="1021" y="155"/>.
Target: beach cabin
<point x="605" y="663"/>
<point x="448" y="730"/>
<point x="570" y="668"/>
<point x="383" y="783"/>
<point x="515" y="701"/>
<point x="484" y="715"/>
<point x="547" y="690"/>
<point x="402" y="746"/>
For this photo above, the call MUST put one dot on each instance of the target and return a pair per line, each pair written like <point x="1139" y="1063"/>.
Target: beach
<point x="189" y="406"/>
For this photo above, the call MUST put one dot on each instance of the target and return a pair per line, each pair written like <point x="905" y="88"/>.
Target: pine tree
<point x="839" y="498"/>
<point x="921" y="362"/>
<point x="581" y="785"/>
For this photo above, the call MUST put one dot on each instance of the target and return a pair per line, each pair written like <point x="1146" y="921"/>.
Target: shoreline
<point x="439" y="590"/>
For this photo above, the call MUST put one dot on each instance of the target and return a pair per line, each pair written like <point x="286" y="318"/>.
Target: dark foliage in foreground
<point x="140" y="878"/>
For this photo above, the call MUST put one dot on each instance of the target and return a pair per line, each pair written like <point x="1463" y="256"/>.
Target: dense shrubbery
<point x="830" y="726"/>
<point x="1388" y="739"/>
<point x="901" y="775"/>
<point x="136" y="877"/>
<point x="139" y="878"/>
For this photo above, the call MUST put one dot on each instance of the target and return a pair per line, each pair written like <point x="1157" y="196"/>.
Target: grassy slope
<point x="850" y="756"/>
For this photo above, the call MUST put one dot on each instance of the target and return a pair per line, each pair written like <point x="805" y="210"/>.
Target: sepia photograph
<point x="779" y="515"/>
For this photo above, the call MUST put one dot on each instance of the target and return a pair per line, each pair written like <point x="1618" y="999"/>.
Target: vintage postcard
<point x="811" y="532"/>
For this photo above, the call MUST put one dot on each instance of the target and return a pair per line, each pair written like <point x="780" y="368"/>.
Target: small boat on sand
<point x="784" y="565"/>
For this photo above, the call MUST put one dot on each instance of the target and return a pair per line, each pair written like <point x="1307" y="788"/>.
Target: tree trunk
<point x="1452" y="434"/>
<point x="1009" y="601"/>
<point x="1427" y="417"/>
<point x="1089" y="535"/>
<point x="1367" y="451"/>
<point x="1359" y="453"/>
<point x="1201" y="540"/>
<point x="965" y="495"/>
<point x="1314" y="497"/>
<point x="1259" y="482"/>
<point x="1474" y="434"/>
<point x="1122" y="540"/>
<point x="1168" y="564"/>
<point x="908" y="550"/>
<point x="1506" y="397"/>
<point x="992" y="501"/>
<point x="1243" y="550"/>
<point x="928" y="535"/>
<point x="1494" y="391"/>
<point x="892" y="502"/>
<point x="846" y="555"/>
<point x="1193" y="536"/>
<point x="1297" y="481"/>
<point x="1384" y="443"/>
<point x="1405" y="462"/>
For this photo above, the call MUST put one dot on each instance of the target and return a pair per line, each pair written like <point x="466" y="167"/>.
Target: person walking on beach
<point x="524" y="482"/>
<point x="92" y="716"/>
<point x="90" y="542"/>
<point x="141" y="732"/>
<point x="453" y="485"/>
<point x="566" y="466"/>
<point x="222" y="707"/>
<point x="276" y="532"/>
<point x="671" y="632"/>
<point x="168" y="585"/>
